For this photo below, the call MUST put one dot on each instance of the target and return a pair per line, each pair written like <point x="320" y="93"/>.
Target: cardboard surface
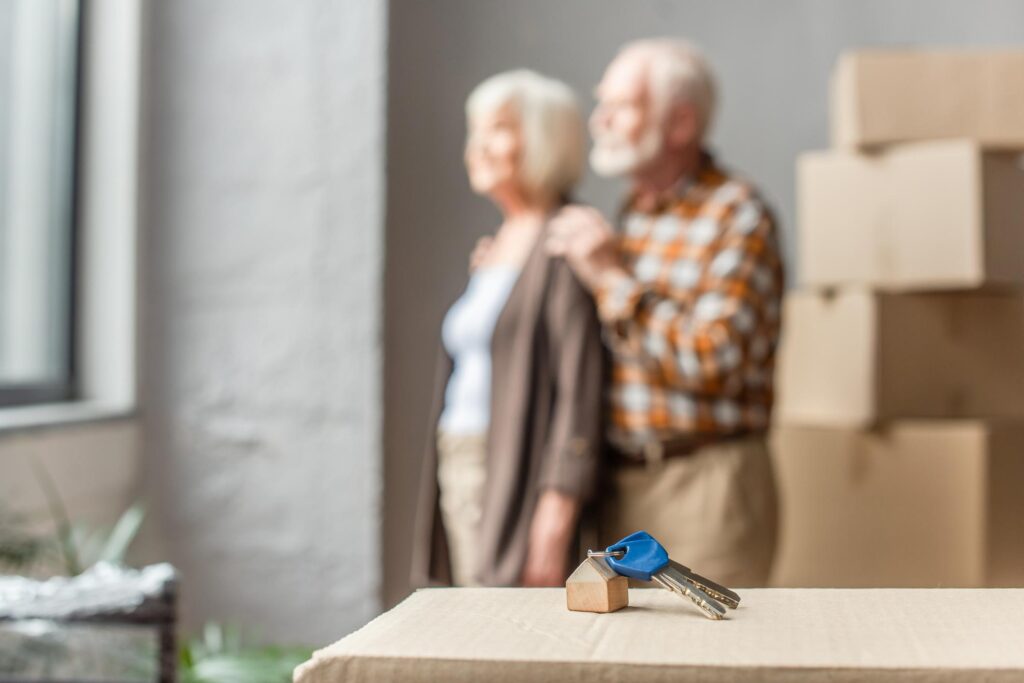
<point x="888" y="96"/>
<point x="921" y="503"/>
<point x="917" y="216"/>
<point x="857" y="357"/>
<point x="513" y="634"/>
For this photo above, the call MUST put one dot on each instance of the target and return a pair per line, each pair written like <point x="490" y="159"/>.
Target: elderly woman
<point x="516" y="428"/>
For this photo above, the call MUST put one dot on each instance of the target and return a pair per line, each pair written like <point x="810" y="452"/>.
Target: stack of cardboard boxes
<point x="899" y="437"/>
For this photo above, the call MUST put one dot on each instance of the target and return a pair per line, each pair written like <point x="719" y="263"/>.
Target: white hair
<point x="551" y="123"/>
<point x="677" y="72"/>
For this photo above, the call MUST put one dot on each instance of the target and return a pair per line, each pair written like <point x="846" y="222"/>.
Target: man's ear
<point x="681" y="126"/>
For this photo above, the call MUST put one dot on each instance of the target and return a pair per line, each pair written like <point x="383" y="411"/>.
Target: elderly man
<point x="689" y="297"/>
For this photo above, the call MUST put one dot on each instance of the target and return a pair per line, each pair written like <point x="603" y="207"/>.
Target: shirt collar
<point x="657" y="202"/>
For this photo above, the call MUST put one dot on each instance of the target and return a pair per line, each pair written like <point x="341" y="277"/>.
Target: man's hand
<point x="582" y="236"/>
<point x="551" y="532"/>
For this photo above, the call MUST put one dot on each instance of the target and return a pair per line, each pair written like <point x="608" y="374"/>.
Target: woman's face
<point x="494" y="150"/>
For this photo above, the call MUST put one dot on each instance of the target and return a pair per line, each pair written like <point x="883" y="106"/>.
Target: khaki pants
<point x="714" y="511"/>
<point x="461" y="472"/>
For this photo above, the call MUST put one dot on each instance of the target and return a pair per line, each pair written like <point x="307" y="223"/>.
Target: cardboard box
<point x="919" y="216"/>
<point x="922" y="504"/>
<point x="505" y="635"/>
<point x="888" y="96"/>
<point x="855" y="357"/>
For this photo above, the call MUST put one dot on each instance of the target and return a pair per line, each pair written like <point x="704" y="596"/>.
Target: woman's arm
<point x="570" y="468"/>
<point x="574" y="441"/>
<point x="551" y="531"/>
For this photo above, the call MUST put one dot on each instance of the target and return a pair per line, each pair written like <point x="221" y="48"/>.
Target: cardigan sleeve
<point x="571" y="457"/>
<point x="430" y="557"/>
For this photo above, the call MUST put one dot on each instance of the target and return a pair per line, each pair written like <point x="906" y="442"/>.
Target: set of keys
<point x="640" y="556"/>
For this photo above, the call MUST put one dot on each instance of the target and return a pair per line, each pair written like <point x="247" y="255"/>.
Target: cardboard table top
<point x="514" y="634"/>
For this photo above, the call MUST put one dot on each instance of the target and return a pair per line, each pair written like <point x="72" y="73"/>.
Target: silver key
<point x="672" y="580"/>
<point x="717" y="591"/>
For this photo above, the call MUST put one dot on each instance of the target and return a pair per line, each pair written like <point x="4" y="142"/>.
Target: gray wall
<point x="772" y="58"/>
<point x="263" y="229"/>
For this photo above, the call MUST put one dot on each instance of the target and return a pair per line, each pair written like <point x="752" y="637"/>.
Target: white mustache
<point x="613" y="154"/>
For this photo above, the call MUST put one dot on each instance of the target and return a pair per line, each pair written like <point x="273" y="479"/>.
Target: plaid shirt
<point x="694" y="326"/>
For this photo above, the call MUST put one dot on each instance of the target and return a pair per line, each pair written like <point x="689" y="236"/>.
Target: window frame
<point x="17" y="394"/>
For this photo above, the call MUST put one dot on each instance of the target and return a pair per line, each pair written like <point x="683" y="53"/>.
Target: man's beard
<point x="613" y="156"/>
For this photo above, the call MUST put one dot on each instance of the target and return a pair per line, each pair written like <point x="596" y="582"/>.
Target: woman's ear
<point x="682" y="128"/>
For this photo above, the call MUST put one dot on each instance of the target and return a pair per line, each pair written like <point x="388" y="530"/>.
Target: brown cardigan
<point x="547" y="367"/>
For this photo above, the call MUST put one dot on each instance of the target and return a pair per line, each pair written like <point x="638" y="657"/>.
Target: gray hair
<point x="677" y="72"/>
<point x="552" y="126"/>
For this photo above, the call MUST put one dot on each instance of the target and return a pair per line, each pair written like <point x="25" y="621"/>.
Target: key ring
<point x="606" y="553"/>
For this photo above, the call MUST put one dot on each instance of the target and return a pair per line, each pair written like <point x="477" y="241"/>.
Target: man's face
<point x="626" y="135"/>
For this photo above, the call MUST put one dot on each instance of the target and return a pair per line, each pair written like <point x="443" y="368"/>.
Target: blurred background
<point x="229" y="230"/>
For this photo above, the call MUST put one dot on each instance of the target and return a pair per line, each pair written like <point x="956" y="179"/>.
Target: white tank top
<point x="466" y="334"/>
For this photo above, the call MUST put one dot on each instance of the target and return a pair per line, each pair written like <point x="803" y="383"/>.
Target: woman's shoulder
<point x="565" y="290"/>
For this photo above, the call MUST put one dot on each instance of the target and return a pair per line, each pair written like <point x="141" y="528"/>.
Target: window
<point x="38" y="113"/>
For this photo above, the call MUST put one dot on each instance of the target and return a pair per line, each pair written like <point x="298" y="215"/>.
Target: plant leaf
<point x="213" y="638"/>
<point x="20" y="552"/>
<point x="60" y="516"/>
<point x="219" y="657"/>
<point x="122" y="535"/>
<point x="87" y="541"/>
<point x="268" y="665"/>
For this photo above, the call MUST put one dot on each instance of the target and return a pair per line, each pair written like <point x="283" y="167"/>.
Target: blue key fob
<point x="644" y="556"/>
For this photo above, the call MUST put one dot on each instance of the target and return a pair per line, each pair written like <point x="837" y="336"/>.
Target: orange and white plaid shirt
<point x="694" y="325"/>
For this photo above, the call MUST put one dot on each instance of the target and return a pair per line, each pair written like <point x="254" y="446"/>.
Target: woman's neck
<point x="528" y="218"/>
<point x="517" y="209"/>
<point x="521" y="224"/>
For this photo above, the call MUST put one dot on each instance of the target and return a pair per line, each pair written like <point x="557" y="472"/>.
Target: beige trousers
<point x="714" y="511"/>
<point x="461" y="471"/>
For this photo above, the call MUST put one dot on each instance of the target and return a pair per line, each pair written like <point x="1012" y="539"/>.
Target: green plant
<point x="77" y="546"/>
<point x="107" y="544"/>
<point x="220" y="656"/>
<point x="20" y="549"/>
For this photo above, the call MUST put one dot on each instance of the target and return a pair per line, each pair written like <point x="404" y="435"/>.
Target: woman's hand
<point x="551" y="532"/>
<point x="480" y="252"/>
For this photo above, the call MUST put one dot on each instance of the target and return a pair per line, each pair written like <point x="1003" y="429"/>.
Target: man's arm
<point x="698" y="345"/>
